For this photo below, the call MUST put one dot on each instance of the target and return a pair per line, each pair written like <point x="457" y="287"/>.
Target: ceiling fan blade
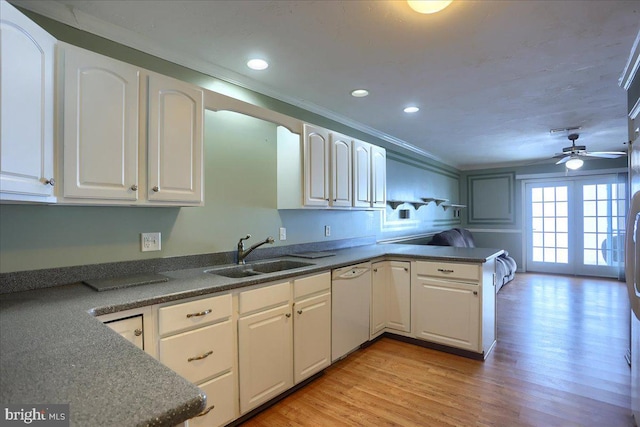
<point x="606" y="154"/>
<point x="561" y="155"/>
<point x="563" y="160"/>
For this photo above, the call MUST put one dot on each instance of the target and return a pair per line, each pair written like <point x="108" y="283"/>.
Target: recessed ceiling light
<point x="359" y="93"/>
<point x="257" y="64"/>
<point x="428" y="6"/>
<point x="411" y="110"/>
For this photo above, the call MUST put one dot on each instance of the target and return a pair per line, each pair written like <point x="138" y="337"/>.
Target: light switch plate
<point x="327" y="230"/>
<point x="283" y="233"/>
<point x="150" y="242"/>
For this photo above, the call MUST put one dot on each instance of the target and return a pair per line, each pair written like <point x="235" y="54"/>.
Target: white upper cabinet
<point x="174" y="141"/>
<point x="27" y="60"/>
<point x="341" y="176"/>
<point x="316" y="166"/>
<point x="378" y="177"/>
<point x="101" y="123"/>
<point x="361" y="174"/>
<point x="130" y="136"/>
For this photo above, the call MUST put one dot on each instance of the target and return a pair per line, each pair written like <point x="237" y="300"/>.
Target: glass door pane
<point x="548" y="228"/>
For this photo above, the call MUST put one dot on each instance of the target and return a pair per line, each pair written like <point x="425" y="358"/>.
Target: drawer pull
<point x="202" y="313"/>
<point x="137" y="332"/>
<point x="205" y="412"/>
<point x="444" y="270"/>
<point x="202" y="356"/>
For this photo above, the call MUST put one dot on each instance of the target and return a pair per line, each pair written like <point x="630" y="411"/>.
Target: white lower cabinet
<point x="265" y="350"/>
<point x="284" y="336"/>
<point x="391" y="297"/>
<point x="451" y="306"/>
<point x="135" y="325"/>
<point x="312" y="326"/>
<point x="197" y="341"/>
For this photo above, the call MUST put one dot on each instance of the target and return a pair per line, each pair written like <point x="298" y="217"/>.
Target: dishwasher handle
<point x="351" y="273"/>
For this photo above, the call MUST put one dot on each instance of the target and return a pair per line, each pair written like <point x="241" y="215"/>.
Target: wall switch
<point x="327" y="230"/>
<point x="150" y="242"/>
<point x="283" y="233"/>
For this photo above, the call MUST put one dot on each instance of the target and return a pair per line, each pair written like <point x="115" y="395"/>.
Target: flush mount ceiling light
<point x="359" y="93"/>
<point x="428" y="6"/>
<point x="411" y="109"/>
<point x="574" y="163"/>
<point x="257" y="64"/>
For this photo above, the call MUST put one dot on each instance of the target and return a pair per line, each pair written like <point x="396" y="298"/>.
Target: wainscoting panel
<point x="491" y="198"/>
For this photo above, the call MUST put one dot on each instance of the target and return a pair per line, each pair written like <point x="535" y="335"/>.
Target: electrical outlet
<point x="150" y="242"/>
<point x="283" y="233"/>
<point x="327" y="230"/>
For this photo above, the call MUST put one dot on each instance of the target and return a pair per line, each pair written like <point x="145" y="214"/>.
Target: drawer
<point x="311" y="285"/>
<point x="220" y="402"/>
<point x="193" y="314"/>
<point x="450" y="270"/>
<point x="264" y="297"/>
<point x="201" y="353"/>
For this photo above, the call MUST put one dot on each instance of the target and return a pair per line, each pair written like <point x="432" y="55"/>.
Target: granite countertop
<point x="53" y="349"/>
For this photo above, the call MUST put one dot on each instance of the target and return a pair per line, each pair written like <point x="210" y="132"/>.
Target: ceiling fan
<point x="571" y="156"/>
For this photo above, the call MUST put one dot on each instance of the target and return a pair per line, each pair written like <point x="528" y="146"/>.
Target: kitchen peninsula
<point x="54" y="350"/>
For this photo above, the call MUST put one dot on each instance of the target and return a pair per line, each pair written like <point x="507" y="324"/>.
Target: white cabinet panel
<point x="311" y="336"/>
<point x="26" y="108"/>
<point x="175" y="153"/>
<point x="361" y="174"/>
<point x="100" y="127"/>
<point x="316" y="166"/>
<point x="378" y="301"/>
<point x="398" y="296"/>
<point x="200" y="353"/>
<point x="131" y="329"/>
<point x="378" y="177"/>
<point x="220" y="402"/>
<point x="341" y="176"/>
<point x="447" y="313"/>
<point x="265" y="347"/>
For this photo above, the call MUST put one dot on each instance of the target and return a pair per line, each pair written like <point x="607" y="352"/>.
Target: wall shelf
<point x="438" y="200"/>
<point x="416" y="205"/>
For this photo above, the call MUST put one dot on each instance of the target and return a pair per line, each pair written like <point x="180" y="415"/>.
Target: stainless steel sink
<point x="280" y="265"/>
<point x="254" y="269"/>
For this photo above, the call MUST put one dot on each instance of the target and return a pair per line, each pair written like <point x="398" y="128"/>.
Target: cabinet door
<point x="316" y="166"/>
<point x="361" y="174"/>
<point x="447" y="312"/>
<point x="100" y="127"/>
<point x="265" y="350"/>
<point x="398" y="296"/>
<point x="311" y="336"/>
<point x="26" y="108"/>
<point x="379" y="278"/>
<point x="130" y="328"/>
<point x="378" y="177"/>
<point x="175" y="153"/>
<point x="341" y="186"/>
<point x="221" y="406"/>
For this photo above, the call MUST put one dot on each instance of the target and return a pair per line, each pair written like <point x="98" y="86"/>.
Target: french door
<point x="576" y="225"/>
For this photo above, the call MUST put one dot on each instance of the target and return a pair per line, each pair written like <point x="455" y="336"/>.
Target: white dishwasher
<point x="350" y="304"/>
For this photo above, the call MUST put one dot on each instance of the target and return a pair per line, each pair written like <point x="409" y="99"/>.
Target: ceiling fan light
<point x="428" y="6"/>
<point x="574" y="163"/>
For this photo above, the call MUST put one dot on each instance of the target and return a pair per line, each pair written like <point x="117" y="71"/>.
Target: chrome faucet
<point x="242" y="254"/>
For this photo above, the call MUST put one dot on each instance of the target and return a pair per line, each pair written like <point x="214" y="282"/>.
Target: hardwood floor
<point x="559" y="361"/>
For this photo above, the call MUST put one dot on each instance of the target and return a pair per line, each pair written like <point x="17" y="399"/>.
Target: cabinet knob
<point x="137" y="332"/>
<point x="288" y="315"/>
<point x="406" y="269"/>
<point x="475" y="292"/>
<point x="299" y="311"/>
<point x="375" y="270"/>
<point x="50" y="181"/>
<point x="155" y="188"/>
<point x="134" y="187"/>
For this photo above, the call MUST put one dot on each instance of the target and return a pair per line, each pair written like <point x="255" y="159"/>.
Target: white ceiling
<point x="491" y="77"/>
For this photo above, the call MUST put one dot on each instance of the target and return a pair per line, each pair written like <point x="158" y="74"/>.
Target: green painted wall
<point x="509" y="235"/>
